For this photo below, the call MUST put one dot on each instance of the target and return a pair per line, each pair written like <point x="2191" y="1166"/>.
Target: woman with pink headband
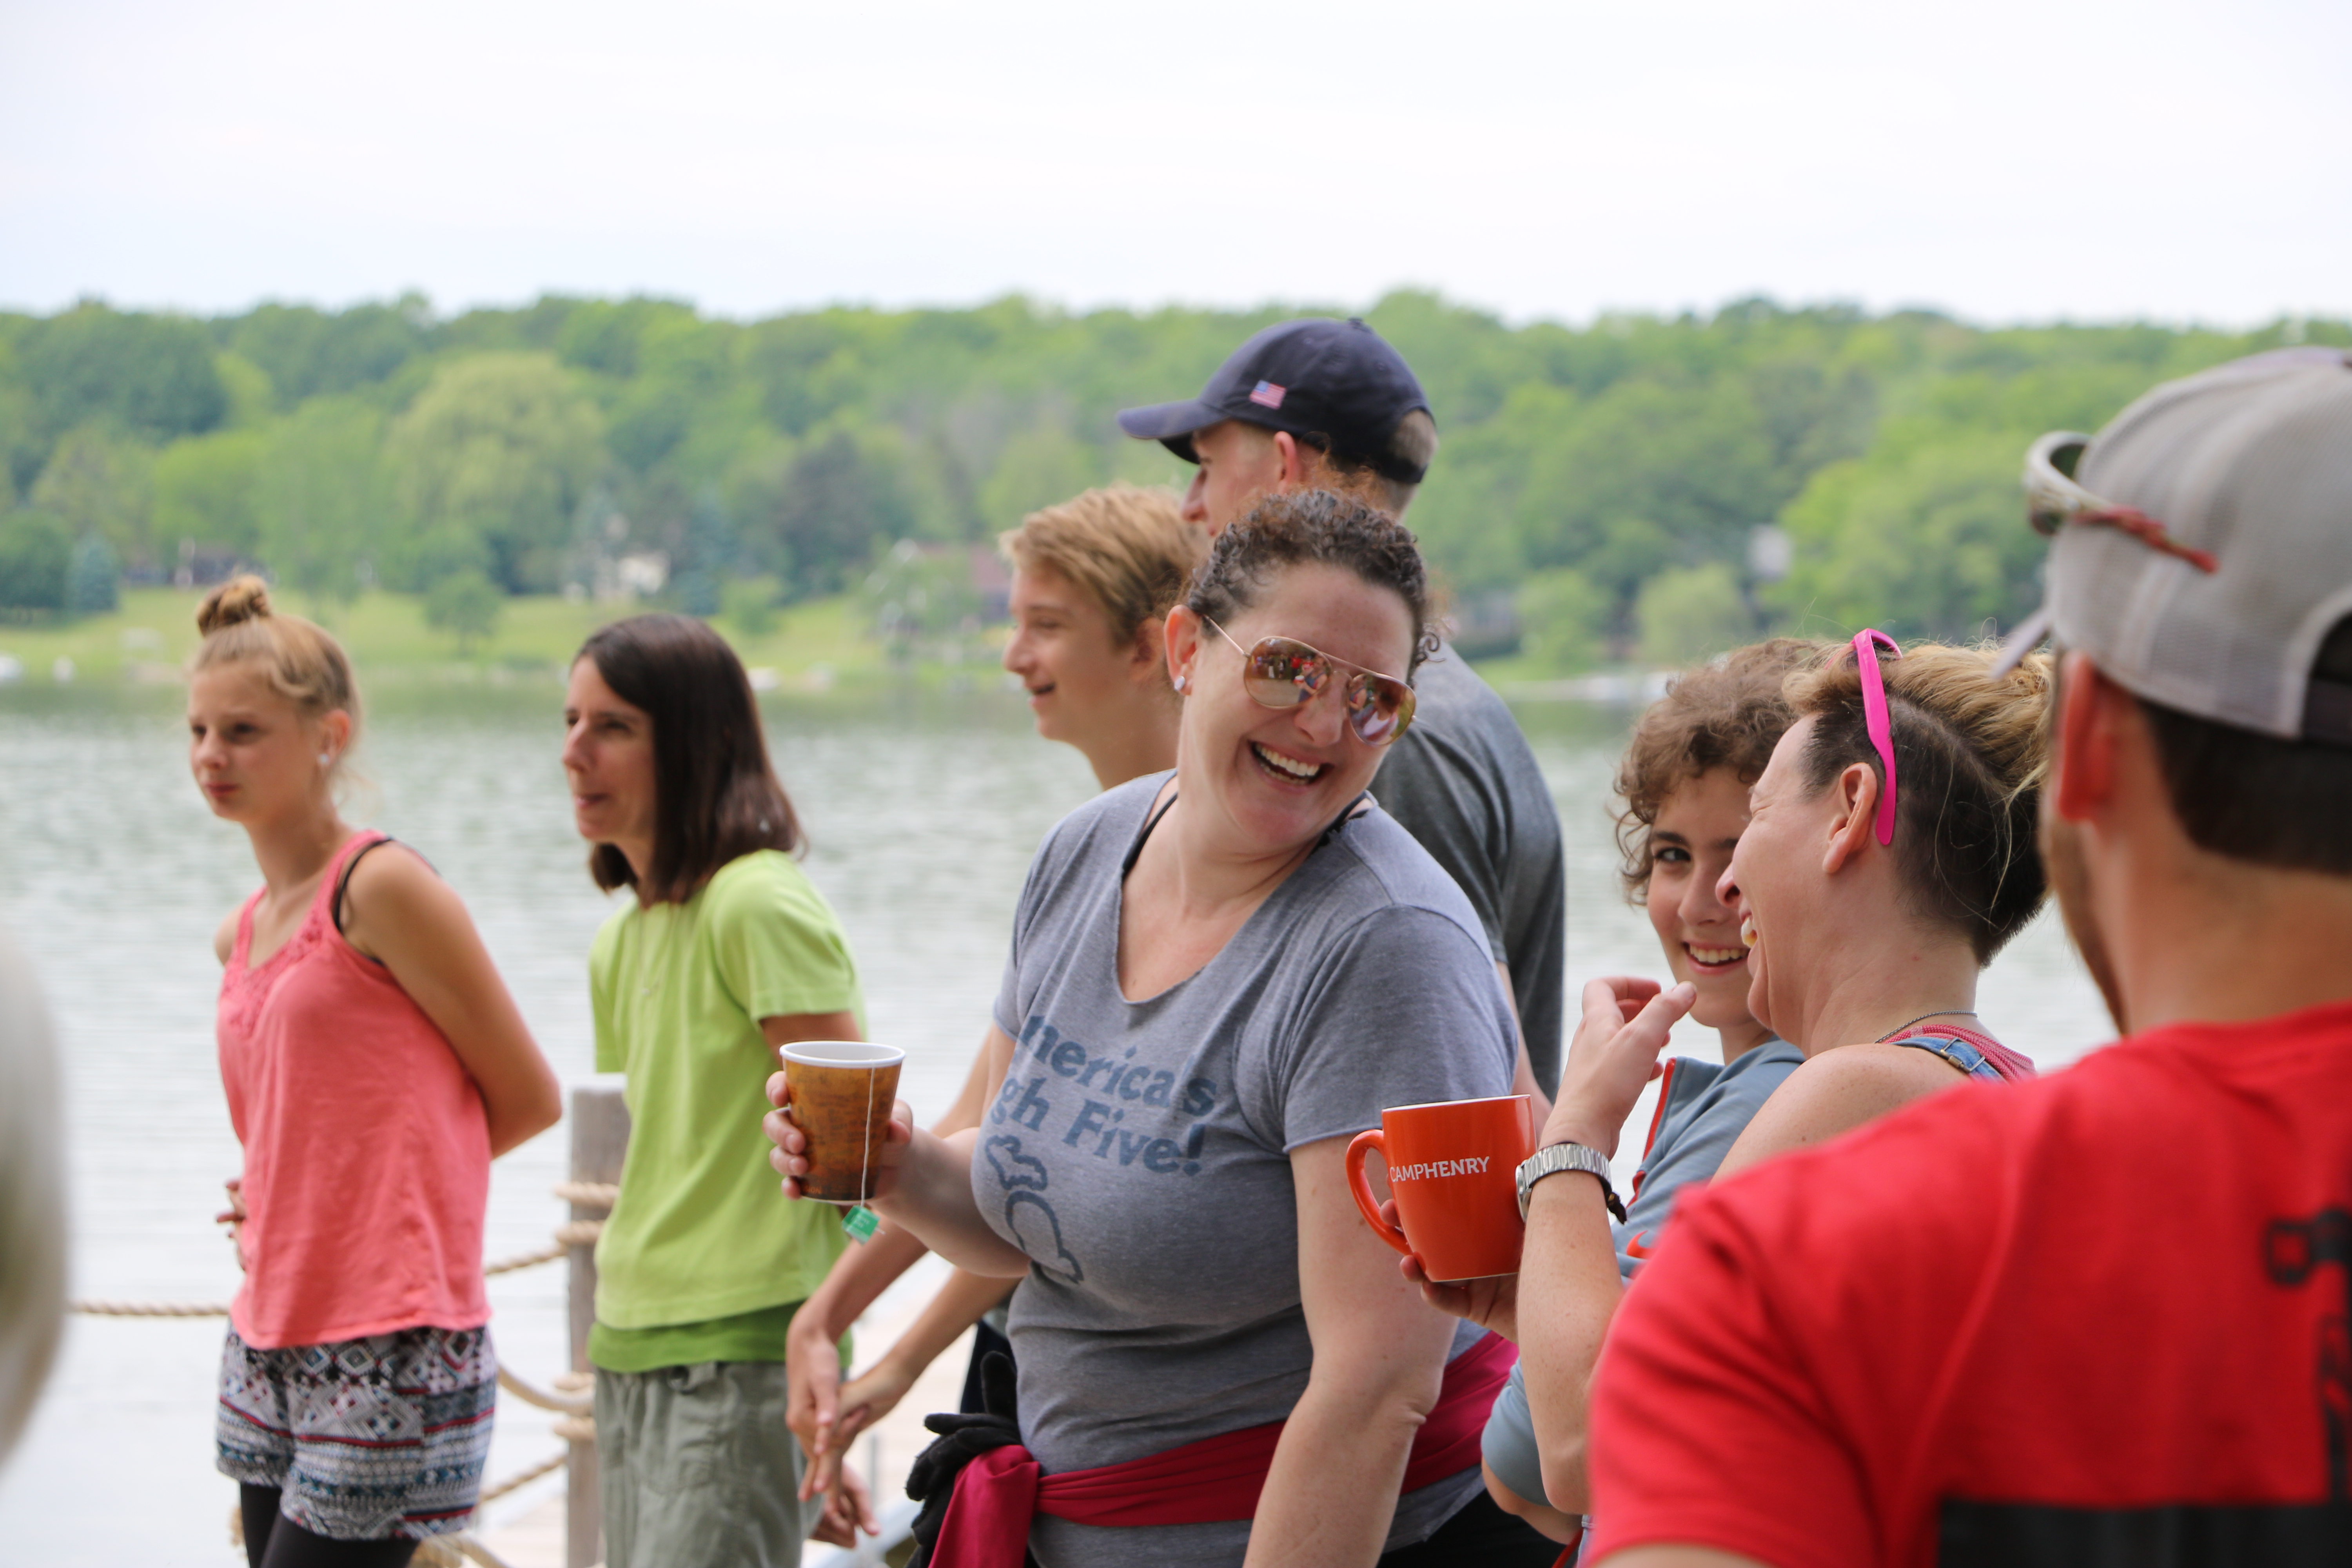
<point x="1888" y="854"/>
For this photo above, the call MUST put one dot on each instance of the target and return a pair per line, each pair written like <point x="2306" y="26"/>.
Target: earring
<point x="1180" y="683"/>
<point x="326" y="759"/>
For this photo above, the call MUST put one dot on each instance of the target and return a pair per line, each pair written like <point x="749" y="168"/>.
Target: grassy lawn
<point x="812" y="644"/>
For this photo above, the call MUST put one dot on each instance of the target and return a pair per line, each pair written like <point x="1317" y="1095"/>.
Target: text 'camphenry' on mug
<point x="842" y="1094"/>
<point x="1453" y="1170"/>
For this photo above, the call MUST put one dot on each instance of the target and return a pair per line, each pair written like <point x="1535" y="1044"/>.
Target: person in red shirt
<point x="2100" y="1318"/>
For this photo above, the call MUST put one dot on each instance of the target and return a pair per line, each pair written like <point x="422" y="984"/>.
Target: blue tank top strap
<point x="1954" y="1051"/>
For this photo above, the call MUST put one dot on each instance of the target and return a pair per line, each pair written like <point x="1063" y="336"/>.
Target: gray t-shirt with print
<point x="1139" y="1151"/>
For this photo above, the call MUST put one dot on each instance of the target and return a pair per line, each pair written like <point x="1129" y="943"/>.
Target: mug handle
<point x="1363" y="1194"/>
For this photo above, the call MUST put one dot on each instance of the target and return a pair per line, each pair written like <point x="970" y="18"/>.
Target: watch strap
<point x="1554" y="1158"/>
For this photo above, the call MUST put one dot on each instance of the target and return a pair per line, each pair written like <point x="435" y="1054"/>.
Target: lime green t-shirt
<point x="701" y="1249"/>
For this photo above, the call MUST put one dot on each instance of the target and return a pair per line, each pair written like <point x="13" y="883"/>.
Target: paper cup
<point x="843" y="1092"/>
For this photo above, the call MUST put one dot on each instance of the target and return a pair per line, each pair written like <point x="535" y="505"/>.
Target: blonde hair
<point x="1129" y="548"/>
<point x="305" y="664"/>
<point x="1969" y="753"/>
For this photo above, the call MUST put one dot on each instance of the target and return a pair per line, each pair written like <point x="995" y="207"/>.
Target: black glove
<point x="961" y="1439"/>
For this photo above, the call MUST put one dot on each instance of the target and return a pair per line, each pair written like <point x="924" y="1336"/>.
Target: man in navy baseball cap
<point x="1316" y="400"/>
<point x="1297" y="400"/>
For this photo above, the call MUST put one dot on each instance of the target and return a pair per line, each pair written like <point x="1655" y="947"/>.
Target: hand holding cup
<point x="1491" y="1303"/>
<point x="839" y="1130"/>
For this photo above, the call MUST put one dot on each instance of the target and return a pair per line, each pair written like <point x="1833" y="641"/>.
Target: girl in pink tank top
<point x="374" y="1064"/>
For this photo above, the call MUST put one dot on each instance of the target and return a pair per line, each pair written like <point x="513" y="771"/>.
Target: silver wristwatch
<point x="1552" y="1159"/>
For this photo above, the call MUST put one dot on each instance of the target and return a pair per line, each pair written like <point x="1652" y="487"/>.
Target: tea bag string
<point x="865" y="1157"/>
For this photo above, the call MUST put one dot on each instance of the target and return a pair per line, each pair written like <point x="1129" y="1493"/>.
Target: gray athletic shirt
<point x="1463" y="781"/>
<point x="1139" y="1151"/>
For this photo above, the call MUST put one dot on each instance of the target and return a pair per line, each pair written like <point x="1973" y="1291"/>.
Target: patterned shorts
<point x="372" y="1439"/>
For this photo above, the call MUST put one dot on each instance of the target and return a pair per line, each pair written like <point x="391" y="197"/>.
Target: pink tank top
<point x="367" y="1151"/>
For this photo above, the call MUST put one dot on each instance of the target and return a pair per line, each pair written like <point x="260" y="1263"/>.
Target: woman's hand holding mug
<point x="1491" y="1303"/>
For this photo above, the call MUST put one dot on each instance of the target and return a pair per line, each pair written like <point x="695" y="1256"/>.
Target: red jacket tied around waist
<point x="1215" y="1480"/>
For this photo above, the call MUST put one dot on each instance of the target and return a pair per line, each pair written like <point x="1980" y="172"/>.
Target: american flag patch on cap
<point x="1265" y="395"/>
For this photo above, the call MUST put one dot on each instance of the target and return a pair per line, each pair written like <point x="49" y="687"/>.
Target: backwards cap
<point x="2218" y="550"/>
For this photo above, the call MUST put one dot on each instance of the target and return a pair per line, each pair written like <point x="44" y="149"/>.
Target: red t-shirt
<point x="2097" y="1319"/>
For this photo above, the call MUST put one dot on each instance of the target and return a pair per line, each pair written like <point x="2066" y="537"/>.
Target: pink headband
<point x="1875" y="719"/>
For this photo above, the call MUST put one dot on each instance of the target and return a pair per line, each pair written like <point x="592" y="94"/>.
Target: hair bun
<point x="245" y="598"/>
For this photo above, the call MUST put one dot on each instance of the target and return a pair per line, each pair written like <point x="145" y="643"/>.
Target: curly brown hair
<point x="1728" y="713"/>
<point x="1295" y="527"/>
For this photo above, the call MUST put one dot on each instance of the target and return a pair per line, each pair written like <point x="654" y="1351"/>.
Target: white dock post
<point x="600" y="1136"/>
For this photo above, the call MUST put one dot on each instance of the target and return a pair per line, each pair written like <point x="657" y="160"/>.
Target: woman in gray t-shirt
<point x="1218" y="977"/>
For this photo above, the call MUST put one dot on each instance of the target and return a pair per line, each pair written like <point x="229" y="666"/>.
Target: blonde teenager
<point x="374" y="1065"/>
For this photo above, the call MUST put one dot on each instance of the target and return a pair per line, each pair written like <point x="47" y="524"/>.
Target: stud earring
<point x="1180" y="683"/>
<point x="326" y="759"/>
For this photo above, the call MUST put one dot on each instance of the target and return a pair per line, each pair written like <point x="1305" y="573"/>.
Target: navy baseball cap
<point x="1336" y="385"/>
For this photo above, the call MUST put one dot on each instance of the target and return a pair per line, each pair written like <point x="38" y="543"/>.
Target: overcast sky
<point x="2005" y="161"/>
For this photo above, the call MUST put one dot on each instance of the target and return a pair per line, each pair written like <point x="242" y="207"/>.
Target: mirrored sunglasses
<point x="1283" y="672"/>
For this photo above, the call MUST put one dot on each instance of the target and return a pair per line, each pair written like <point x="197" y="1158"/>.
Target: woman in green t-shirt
<point x="725" y="952"/>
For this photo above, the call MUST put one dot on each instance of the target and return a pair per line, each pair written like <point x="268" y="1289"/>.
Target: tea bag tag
<point x="860" y="1222"/>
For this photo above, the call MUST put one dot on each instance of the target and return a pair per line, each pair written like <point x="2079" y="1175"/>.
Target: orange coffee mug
<point x="1453" y="1170"/>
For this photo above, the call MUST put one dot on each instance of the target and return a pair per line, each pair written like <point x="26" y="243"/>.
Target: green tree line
<point x="1644" y="487"/>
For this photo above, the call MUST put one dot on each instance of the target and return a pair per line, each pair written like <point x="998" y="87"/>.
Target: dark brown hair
<point x="1969" y="755"/>
<point x="1297" y="528"/>
<point x="2259" y="798"/>
<point x="716" y="797"/>
<point x="1727" y="713"/>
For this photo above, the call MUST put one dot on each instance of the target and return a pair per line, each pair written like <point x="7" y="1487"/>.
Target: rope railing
<point x="567" y="1236"/>
<point x="589" y="1195"/>
<point x="563" y="1404"/>
<point x="102" y="1309"/>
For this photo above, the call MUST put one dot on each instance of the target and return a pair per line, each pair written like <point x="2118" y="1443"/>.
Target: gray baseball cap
<point x="2202" y="543"/>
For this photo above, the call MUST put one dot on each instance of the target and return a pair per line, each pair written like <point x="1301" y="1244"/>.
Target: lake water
<point x="923" y="814"/>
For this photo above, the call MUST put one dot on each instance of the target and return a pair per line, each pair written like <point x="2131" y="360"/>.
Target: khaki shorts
<point x="697" y="1467"/>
